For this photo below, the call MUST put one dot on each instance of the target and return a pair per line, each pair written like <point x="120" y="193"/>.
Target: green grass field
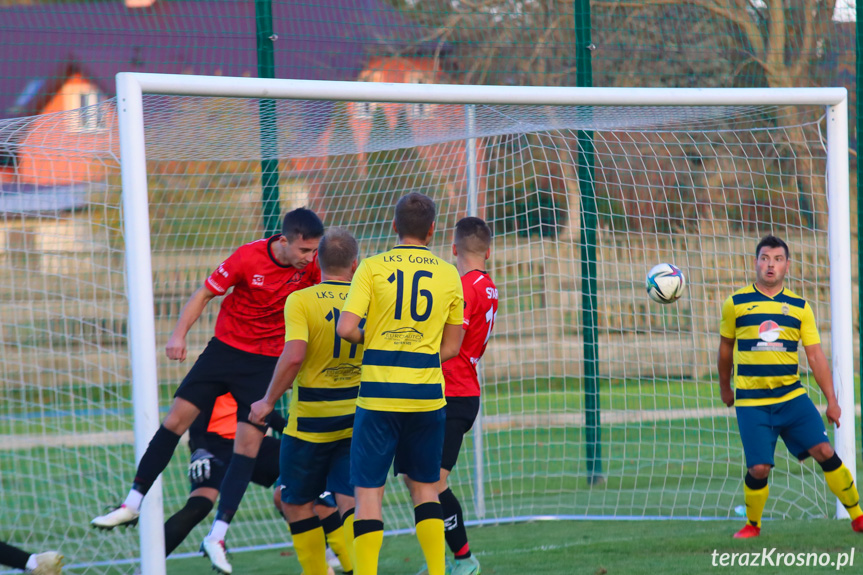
<point x="665" y="461"/>
<point x="594" y="548"/>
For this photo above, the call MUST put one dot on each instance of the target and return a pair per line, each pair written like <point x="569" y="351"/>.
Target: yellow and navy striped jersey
<point x="767" y="332"/>
<point x="407" y="295"/>
<point x="324" y="399"/>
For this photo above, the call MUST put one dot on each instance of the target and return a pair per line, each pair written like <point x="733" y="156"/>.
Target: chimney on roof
<point x="139" y="3"/>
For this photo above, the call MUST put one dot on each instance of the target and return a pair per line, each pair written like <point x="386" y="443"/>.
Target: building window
<point x="420" y="111"/>
<point x="90" y="114"/>
<point x="365" y="110"/>
<point x="8" y="155"/>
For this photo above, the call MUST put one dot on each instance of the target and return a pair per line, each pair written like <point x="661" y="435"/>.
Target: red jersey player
<point x="472" y="247"/>
<point x="240" y="359"/>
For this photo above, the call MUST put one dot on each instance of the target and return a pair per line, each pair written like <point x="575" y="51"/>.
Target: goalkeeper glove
<point x="200" y="465"/>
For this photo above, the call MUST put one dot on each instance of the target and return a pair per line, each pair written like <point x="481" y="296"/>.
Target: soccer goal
<point x="598" y="402"/>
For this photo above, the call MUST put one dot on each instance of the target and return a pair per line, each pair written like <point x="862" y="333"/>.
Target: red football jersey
<point x="252" y="317"/>
<point x="480" y="311"/>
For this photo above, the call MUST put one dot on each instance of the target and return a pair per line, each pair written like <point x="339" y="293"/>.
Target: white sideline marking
<point x="521" y="421"/>
<point x="490" y="423"/>
<point x="97" y="439"/>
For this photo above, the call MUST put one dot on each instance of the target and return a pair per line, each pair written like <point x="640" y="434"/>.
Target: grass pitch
<point x="597" y="548"/>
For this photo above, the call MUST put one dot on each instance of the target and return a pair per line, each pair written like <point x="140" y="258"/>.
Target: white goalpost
<point x="131" y="87"/>
<point x="597" y="402"/>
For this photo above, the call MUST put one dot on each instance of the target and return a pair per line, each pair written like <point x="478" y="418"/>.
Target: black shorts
<point x="266" y="470"/>
<point x="461" y="412"/>
<point x="221" y="369"/>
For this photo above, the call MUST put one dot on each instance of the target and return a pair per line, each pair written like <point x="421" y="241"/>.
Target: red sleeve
<point x="469" y="303"/>
<point x="229" y="273"/>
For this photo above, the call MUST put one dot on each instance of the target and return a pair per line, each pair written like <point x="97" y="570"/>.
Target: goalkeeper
<point x="211" y="442"/>
<point x="762" y="326"/>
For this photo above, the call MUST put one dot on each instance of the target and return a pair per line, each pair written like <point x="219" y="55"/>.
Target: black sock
<point x="155" y="459"/>
<point x="453" y="524"/>
<point x="332" y="522"/>
<point x="181" y="523"/>
<point x="831" y="464"/>
<point x="754" y="484"/>
<point x="234" y="485"/>
<point x="13" y="557"/>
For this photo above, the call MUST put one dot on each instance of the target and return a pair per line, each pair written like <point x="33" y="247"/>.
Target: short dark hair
<point x="302" y="223"/>
<point x="337" y="250"/>
<point x="415" y="214"/>
<point x="472" y="235"/>
<point x="771" y="241"/>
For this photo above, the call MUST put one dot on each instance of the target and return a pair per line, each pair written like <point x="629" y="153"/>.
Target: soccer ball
<point x="665" y="283"/>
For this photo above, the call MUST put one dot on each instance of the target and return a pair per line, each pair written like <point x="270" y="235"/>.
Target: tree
<point x="784" y="40"/>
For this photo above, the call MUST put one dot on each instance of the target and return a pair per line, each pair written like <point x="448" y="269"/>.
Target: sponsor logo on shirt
<point x="344" y="367"/>
<point x="257" y="280"/>
<point x="406" y="335"/>
<point x="342" y="371"/>
<point x="769" y="331"/>
<point x="216" y="285"/>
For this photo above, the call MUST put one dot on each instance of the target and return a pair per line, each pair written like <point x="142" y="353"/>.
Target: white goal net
<point x="597" y="401"/>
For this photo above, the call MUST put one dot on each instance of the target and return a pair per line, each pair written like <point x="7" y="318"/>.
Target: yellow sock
<point x="755" y="499"/>
<point x="348" y="527"/>
<point x="368" y="539"/>
<point x="430" y="533"/>
<point x="310" y="545"/>
<point x="338" y="542"/>
<point x="842" y="485"/>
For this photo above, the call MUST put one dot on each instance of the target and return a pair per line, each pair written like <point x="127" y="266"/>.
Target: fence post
<point x="266" y="39"/>
<point x="584" y="79"/>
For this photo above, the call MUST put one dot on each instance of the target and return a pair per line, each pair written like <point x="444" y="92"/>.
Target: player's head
<point x="338" y="252"/>
<point x="301" y="231"/>
<point x="771" y="261"/>
<point x="302" y="223"/>
<point x="415" y="215"/>
<point x="472" y="238"/>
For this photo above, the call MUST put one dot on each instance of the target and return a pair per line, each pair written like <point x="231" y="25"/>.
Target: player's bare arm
<point x="176" y="346"/>
<point x="349" y="328"/>
<point x="824" y="378"/>
<point x="725" y="365"/>
<point x="451" y="341"/>
<point x="283" y="379"/>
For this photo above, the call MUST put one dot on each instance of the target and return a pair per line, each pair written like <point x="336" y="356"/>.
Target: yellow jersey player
<point x="413" y="305"/>
<point x="325" y="373"/>
<point x="762" y="326"/>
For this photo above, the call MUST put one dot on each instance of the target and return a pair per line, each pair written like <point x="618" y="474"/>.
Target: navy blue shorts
<point x="308" y="469"/>
<point x="327" y="499"/>
<point x="413" y="439"/>
<point x="796" y="421"/>
<point x="266" y="465"/>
